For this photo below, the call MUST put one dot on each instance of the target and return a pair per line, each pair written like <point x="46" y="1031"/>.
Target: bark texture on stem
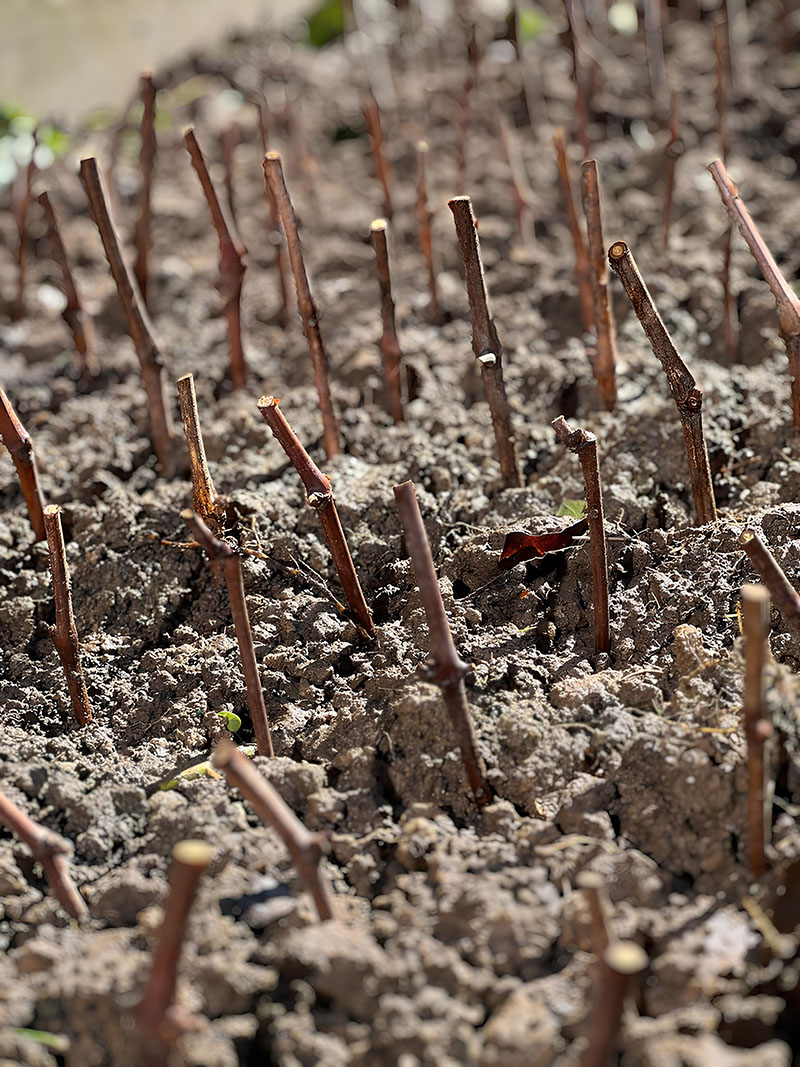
<point x="147" y="155"/>
<point x="444" y="667"/>
<point x="221" y="552"/>
<point x="189" y="860"/>
<point x="688" y="398"/>
<point x="305" y="848"/>
<point x="784" y="596"/>
<point x="204" y="498"/>
<point x="140" y="329"/>
<point x="18" y="442"/>
<point x="785" y="297"/>
<point x="605" y="361"/>
<point x="79" y="323"/>
<point x="621" y="962"/>
<point x="584" y="445"/>
<point x="232" y="254"/>
<point x="424" y="216"/>
<point x="757" y="725"/>
<point x="49" y="849"/>
<point x="372" y="117"/>
<point x="273" y="174"/>
<point x="391" y="353"/>
<point x="320" y="497"/>
<point x="485" y="342"/>
<point x="64" y="634"/>
<point x="582" y="270"/>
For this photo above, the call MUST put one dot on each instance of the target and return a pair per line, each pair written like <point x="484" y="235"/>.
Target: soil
<point x="459" y="936"/>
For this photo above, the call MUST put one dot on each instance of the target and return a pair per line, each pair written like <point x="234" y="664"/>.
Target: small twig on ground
<point x="64" y="634"/>
<point x="391" y="353"/>
<point x="595" y="892"/>
<point x="444" y="667"/>
<point x="784" y="596"/>
<point x="203" y="495"/>
<point x="229" y="142"/>
<point x="49" y="849"/>
<point x="18" y="442"/>
<point x="305" y="848"/>
<point x="140" y="329"/>
<point x="621" y="961"/>
<point x="674" y="150"/>
<point x="189" y="860"/>
<point x="79" y="323"/>
<point x="424" y="216"/>
<point x="582" y="269"/>
<point x="688" y="398"/>
<point x="605" y="360"/>
<point x="372" y="117"/>
<point x="485" y="342"/>
<point x="584" y="445"/>
<point x="520" y="186"/>
<point x="147" y="154"/>
<point x="757" y="724"/>
<point x="320" y="498"/>
<point x="221" y="552"/>
<point x="21" y="196"/>
<point x="232" y="265"/>
<point x="273" y="174"/>
<point x="785" y="297"/>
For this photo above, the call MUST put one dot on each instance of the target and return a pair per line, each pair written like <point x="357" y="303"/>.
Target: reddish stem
<point x="147" y="156"/>
<point x="674" y="150"/>
<point x="784" y="595"/>
<point x="755" y="627"/>
<point x="424" y="216"/>
<point x="621" y="962"/>
<point x="391" y="353"/>
<point x="582" y="272"/>
<point x="372" y="117"/>
<point x="18" y="442"/>
<point x="605" y="360"/>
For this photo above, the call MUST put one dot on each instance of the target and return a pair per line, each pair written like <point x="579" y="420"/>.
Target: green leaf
<point x="326" y="23"/>
<point x="532" y="22"/>
<point x="232" y="721"/>
<point x="57" y="1042"/>
<point x="573" y="508"/>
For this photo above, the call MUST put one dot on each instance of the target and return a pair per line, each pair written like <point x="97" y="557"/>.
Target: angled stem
<point x="582" y="270"/>
<point x="147" y="155"/>
<point x="785" y="297"/>
<point x="372" y="117"/>
<point x="18" y="442"/>
<point x="189" y="860"/>
<point x="64" y="634"/>
<point x="232" y="266"/>
<point x="444" y="667"/>
<point x="273" y="175"/>
<point x="391" y="353"/>
<point x="584" y="445"/>
<point x="688" y="398"/>
<point x="79" y="323"/>
<point x="49" y="849"/>
<point x="757" y="725"/>
<point x="621" y="962"/>
<point x="320" y="498"/>
<point x="605" y="361"/>
<point x="485" y="342"/>
<point x="140" y="329"/>
<point x="203" y="495"/>
<point x="221" y="551"/>
<point x="304" y="847"/>
<point x="424" y="216"/>
<point x="784" y="596"/>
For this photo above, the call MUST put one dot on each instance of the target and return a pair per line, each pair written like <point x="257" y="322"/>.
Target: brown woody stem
<point x="79" y="323"/>
<point x="621" y="962"/>
<point x="688" y="398"/>
<point x="784" y="596"/>
<point x="320" y="498"/>
<point x="391" y="353"/>
<point x="273" y="174"/>
<point x="424" y="216"/>
<point x="674" y="151"/>
<point x="593" y="886"/>
<point x="785" y="297"/>
<point x="444" y="667"/>
<point x="304" y="847"/>
<point x="582" y="270"/>
<point x="64" y="634"/>
<point x="372" y="117"/>
<point x="605" y="360"/>
<point x="755" y="627"/>
<point x="520" y="186"/>
<point x="485" y="342"/>
<point x="577" y="36"/>
<point x="49" y="849"/>
<point x="228" y="142"/>
<point x="221" y="551"/>
<point x="140" y="329"/>
<point x="147" y="155"/>
<point x="189" y="860"/>
<point x="584" y="445"/>
<point x="18" y="442"/>
<point x="231" y="262"/>
<point x="203" y="495"/>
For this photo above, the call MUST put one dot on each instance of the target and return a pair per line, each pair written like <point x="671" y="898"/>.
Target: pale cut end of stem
<point x="193" y="853"/>
<point x="626" y="958"/>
